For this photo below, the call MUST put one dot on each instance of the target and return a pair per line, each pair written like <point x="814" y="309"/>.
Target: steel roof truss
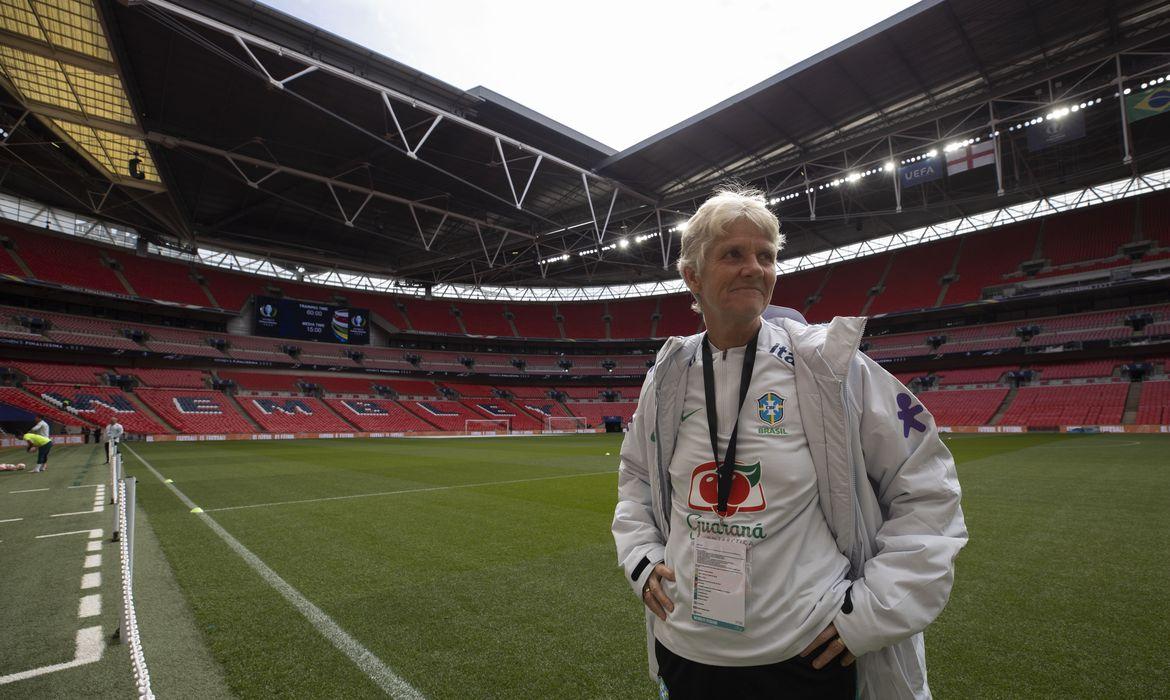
<point x="508" y="172"/>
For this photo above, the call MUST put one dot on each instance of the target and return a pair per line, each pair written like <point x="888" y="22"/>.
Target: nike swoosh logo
<point x="688" y="415"/>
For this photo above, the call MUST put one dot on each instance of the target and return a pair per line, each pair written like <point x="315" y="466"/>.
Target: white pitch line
<point x="29" y="490"/>
<point x="90" y="606"/>
<point x="90" y="646"/>
<point x="92" y="561"/>
<point x="418" y="490"/>
<point x="88" y="486"/>
<point x="12" y="520"/>
<point x="96" y="509"/>
<point x="91" y="580"/>
<point x="93" y="546"/>
<point x="377" y="670"/>
<point x="93" y="534"/>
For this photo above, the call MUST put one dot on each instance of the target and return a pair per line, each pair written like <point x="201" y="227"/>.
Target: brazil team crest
<point x="770" y="408"/>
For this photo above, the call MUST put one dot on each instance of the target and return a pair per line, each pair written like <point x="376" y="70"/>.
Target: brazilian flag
<point x="1147" y="103"/>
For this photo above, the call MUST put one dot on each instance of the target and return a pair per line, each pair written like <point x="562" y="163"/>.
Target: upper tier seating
<point x="585" y="320"/>
<point x="195" y="412"/>
<point x="8" y="264"/>
<point x="963" y="406"/>
<point x="794" y="289"/>
<point x="59" y="374"/>
<point x="97" y="404"/>
<point x="18" y="398"/>
<point x="1154" y="407"/>
<point x="170" y="378"/>
<point x="535" y="320"/>
<point x="431" y="316"/>
<point x="485" y="319"/>
<point x="1088" y="234"/>
<point x="677" y="316"/>
<point x="374" y="415"/>
<point x="63" y="259"/>
<point x="292" y="414"/>
<point x="156" y="278"/>
<point x="631" y="318"/>
<point x="985" y="257"/>
<point x="912" y="282"/>
<point x="844" y="294"/>
<point x="1084" y="404"/>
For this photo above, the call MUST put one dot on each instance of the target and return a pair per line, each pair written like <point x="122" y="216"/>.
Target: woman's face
<point x="739" y="274"/>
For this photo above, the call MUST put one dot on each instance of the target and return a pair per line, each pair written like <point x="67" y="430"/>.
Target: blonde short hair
<point x="720" y="211"/>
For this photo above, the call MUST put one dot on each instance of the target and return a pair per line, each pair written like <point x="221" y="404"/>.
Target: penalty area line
<point x="401" y="491"/>
<point x="385" y="677"/>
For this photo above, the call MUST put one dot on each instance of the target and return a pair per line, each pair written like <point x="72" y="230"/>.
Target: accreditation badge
<point x="720" y="591"/>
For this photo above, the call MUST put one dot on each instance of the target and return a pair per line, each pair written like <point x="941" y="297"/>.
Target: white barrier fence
<point x="125" y="497"/>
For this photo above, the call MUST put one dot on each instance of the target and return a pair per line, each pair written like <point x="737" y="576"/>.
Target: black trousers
<point x="794" y="678"/>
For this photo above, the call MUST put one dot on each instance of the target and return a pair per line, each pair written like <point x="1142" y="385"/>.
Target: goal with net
<point x="564" y="424"/>
<point x="487" y="426"/>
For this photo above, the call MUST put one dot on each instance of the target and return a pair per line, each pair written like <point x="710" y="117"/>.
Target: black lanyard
<point x="727" y="466"/>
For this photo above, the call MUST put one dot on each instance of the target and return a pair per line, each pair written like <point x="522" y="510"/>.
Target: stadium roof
<point x="259" y="133"/>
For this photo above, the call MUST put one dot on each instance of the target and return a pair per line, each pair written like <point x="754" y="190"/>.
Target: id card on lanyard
<point x="721" y="564"/>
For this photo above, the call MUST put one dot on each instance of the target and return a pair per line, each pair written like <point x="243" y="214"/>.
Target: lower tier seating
<point x="379" y="415"/>
<point x="195" y="412"/>
<point x="292" y="414"/>
<point x="963" y="407"/>
<point x="1078" y="404"/>
<point x="97" y="404"/>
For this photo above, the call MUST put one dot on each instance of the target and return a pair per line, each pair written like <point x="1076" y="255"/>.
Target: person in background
<point x="97" y="434"/>
<point x="42" y="444"/>
<point x="113" y="436"/>
<point x="785" y="506"/>
<point x="41" y="427"/>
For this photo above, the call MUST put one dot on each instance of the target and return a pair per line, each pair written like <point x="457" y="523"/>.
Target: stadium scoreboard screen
<point x="308" y="320"/>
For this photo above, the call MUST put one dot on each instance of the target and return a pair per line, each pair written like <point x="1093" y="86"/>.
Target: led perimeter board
<point x="310" y="320"/>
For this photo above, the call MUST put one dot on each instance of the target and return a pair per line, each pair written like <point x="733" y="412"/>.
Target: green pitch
<point x="484" y="568"/>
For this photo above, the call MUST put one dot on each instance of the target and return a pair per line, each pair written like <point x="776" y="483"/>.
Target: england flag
<point x="969" y="157"/>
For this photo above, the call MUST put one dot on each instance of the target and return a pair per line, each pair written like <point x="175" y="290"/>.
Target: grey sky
<point x="615" y="71"/>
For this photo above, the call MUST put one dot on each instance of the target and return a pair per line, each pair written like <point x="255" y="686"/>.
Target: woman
<point x="785" y="506"/>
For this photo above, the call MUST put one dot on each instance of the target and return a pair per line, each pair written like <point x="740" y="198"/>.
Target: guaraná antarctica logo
<point x="770" y="409"/>
<point x="747" y="493"/>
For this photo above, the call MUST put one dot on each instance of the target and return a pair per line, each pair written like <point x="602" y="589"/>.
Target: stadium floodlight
<point x="1126" y="91"/>
<point x="889" y="165"/>
<point x="623" y="243"/>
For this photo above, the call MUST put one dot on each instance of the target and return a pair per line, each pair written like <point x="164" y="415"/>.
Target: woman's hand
<point x="652" y="594"/>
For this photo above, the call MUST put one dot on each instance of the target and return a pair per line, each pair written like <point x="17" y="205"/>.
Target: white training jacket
<point x="887" y="486"/>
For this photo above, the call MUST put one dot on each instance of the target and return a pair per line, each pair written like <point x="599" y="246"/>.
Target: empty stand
<point x="1082" y="404"/>
<point x="1075" y="370"/>
<point x="59" y="373"/>
<point x="156" y="278"/>
<point x="375" y="415"/>
<point x="64" y="260"/>
<point x="986" y="256"/>
<point x="97" y="404"/>
<point x="292" y="414"/>
<point x="445" y="415"/>
<point x="195" y="412"/>
<point x="172" y="378"/>
<point x="431" y="316"/>
<point x="912" y="282"/>
<point x="1154" y="407"/>
<point x="260" y="381"/>
<point x="21" y="399"/>
<point x="630" y="318"/>
<point x="500" y="409"/>
<point x="677" y="316"/>
<point x="794" y="288"/>
<point x="844" y="293"/>
<point x="485" y="319"/>
<point x="584" y="320"/>
<point x="595" y="413"/>
<point x="534" y="320"/>
<point x="1088" y="234"/>
<point x="963" y="406"/>
<point x="975" y="375"/>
